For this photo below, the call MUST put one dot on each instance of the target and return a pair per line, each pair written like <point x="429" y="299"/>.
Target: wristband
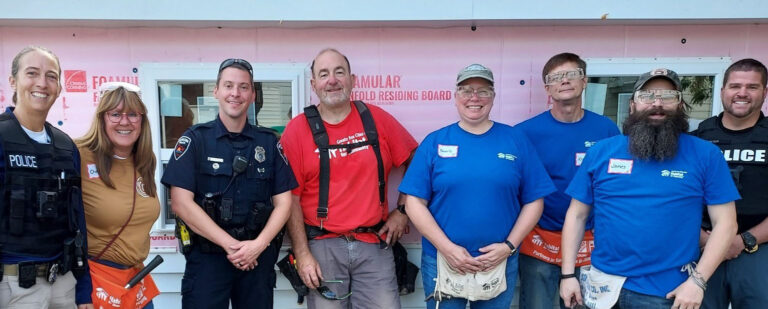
<point x="566" y="276"/>
<point x="512" y="248"/>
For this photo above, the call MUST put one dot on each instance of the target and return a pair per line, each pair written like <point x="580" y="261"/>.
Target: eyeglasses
<point x="650" y="96"/>
<point x="466" y="92"/>
<point x="326" y="293"/>
<point x="115" y="117"/>
<point x="558" y="77"/>
<point x="106" y="87"/>
<point x="234" y="61"/>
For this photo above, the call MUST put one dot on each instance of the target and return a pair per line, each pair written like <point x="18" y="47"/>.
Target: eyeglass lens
<point x="132" y="117"/>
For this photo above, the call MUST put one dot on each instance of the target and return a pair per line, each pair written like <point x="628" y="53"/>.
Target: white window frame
<point x="683" y="66"/>
<point x="150" y="74"/>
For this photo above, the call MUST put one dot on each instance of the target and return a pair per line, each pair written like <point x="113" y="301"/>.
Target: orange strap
<point x="545" y="246"/>
<point x="109" y="287"/>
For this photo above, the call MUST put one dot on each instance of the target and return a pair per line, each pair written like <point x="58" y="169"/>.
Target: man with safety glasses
<point x="561" y="137"/>
<point x="741" y="132"/>
<point x="647" y="189"/>
<point x="231" y="187"/>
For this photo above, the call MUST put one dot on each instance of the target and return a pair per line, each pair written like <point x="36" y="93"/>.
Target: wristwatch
<point x="512" y="248"/>
<point x="401" y="209"/>
<point x="750" y="242"/>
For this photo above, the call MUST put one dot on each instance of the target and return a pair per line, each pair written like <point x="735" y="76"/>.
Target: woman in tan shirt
<point x="119" y="195"/>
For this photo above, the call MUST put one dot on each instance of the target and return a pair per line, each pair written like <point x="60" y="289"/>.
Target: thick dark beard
<point x="651" y="139"/>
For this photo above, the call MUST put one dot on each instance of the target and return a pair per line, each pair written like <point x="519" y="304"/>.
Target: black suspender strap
<point x="373" y="138"/>
<point x="320" y="136"/>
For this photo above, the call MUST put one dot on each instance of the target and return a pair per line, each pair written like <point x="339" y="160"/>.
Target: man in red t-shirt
<point x="345" y="262"/>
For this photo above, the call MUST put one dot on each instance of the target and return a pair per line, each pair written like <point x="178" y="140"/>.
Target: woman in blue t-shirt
<point x="475" y="190"/>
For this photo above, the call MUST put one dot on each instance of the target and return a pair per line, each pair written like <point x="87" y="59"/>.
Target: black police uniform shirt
<point x="184" y="170"/>
<point x="83" y="283"/>
<point x="746" y="152"/>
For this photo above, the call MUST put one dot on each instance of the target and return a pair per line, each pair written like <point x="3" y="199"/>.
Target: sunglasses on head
<point x="326" y="293"/>
<point x="235" y="61"/>
<point x="106" y="87"/>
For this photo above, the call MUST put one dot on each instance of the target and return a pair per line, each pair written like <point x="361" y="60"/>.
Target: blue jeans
<point x="539" y="283"/>
<point x="633" y="300"/>
<point x="504" y="300"/>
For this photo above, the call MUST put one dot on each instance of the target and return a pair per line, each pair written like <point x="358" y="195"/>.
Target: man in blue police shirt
<point x="231" y="186"/>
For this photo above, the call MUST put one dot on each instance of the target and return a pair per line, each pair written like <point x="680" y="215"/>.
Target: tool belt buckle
<point x="52" y="273"/>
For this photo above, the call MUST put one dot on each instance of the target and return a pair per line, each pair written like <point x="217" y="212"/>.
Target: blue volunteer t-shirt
<point x="475" y="184"/>
<point x="561" y="147"/>
<point x="648" y="213"/>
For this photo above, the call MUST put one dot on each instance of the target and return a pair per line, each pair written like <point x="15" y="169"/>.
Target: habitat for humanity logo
<point x="74" y="81"/>
<point x="673" y="174"/>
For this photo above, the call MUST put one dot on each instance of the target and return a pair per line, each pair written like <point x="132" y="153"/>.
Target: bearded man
<point x="647" y="189"/>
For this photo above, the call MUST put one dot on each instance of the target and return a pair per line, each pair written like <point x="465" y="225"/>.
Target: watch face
<point x="749" y="240"/>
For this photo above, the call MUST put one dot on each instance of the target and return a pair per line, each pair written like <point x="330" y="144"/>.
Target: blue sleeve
<point x="718" y="182"/>
<point x="84" y="286"/>
<point x="181" y="168"/>
<point x="418" y="177"/>
<point x="284" y="179"/>
<point x="536" y="183"/>
<point x="580" y="187"/>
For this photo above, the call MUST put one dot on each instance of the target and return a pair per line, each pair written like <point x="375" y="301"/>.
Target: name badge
<point x="92" y="171"/>
<point x="447" y="151"/>
<point x="580" y="158"/>
<point x="620" y="166"/>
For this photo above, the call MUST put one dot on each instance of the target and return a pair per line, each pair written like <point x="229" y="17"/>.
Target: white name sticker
<point x="620" y="166"/>
<point x="92" y="171"/>
<point x="580" y="158"/>
<point x="447" y="151"/>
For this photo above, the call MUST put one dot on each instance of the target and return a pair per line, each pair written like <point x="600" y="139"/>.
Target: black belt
<point x="315" y="232"/>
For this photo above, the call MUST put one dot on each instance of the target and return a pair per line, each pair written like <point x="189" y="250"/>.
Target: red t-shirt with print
<point x="353" y="198"/>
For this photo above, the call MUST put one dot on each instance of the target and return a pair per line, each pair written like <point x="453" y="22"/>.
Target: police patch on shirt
<point x="259" y="154"/>
<point x="21" y="160"/>
<point x="620" y="166"/>
<point x="181" y="146"/>
<point x="447" y="151"/>
<point x="92" y="171"/>
<point x="280" y="151"/>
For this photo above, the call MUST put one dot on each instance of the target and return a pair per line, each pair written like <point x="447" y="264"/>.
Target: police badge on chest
<point x="260" y="155"/>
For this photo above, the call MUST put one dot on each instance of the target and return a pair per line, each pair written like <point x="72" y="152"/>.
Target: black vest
<point x="747" y="156"/>
<point x="240" y="203"/>
<point x="40" y="190"/>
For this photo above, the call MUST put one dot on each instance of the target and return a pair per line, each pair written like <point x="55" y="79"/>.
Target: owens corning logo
<point x="74" y="81"/>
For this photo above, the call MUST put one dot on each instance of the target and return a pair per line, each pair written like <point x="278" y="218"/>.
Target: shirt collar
<point x="221" y="130"/>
